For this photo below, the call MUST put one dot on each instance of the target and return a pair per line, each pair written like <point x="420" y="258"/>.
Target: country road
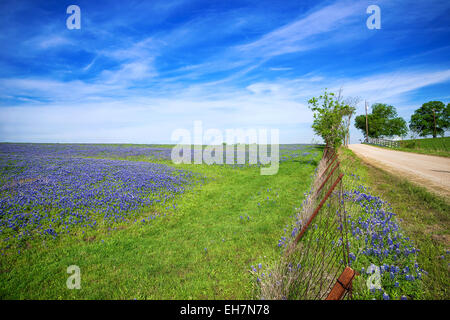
<point x="429" y="171"/>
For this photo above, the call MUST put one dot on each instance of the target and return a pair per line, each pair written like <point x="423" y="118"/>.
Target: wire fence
<point x="384" y="142"/>
<point x="315" y="263"/>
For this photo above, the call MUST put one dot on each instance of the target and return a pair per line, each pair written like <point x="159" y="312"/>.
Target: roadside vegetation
<point x="383" y="121"/>
<point x="431" y="146"/>
<point x="392" y="257"/>
<point x="424" y="218"/>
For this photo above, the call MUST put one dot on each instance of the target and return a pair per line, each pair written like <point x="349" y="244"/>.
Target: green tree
<point x="423" y="119"/>
<point x="328" y="113"/>
<point x="382" y="122"/>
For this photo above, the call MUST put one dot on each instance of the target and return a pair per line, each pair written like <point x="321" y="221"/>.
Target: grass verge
<point x="423" y="216"/>
<point x="431" y="146"/>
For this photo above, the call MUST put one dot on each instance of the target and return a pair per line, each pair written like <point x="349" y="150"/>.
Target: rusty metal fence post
<point x="318" y="208"/>
<point x="343" y="284"/>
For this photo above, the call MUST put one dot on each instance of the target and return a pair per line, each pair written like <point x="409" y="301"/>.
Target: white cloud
<point x="136" y="70"/>
<point x="280" y="69"/>
<point x="393" y="84"/>
<point x="90" y="110"/>
<point x="54" y="42"/>
<point x="297" y="35"/>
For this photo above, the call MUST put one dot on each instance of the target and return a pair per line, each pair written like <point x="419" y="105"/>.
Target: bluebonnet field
<point x="136" y="224"/>
<point x="377" y="240"/>
<point x="47" y="190"/>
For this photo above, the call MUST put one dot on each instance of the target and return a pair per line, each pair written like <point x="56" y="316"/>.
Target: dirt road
<point x="429" y="171"/>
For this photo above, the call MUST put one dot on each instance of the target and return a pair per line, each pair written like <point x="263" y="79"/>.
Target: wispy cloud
<point x="393" y="84"/>
<point x="54" y="42"/>
<point x="297" y="36"/>
<point x="280" y="69"/>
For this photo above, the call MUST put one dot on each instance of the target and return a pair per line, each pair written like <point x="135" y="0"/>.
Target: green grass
<point x="423" y="216"/>
<point x="166" y="257"/>
<point x="432" y="146"/>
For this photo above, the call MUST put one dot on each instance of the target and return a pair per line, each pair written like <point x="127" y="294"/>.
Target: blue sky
<point x="138" y="70"/>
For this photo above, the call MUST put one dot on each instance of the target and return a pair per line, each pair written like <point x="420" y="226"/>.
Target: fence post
<point x="328" y="177"/>
<point x="342" y="284"/>
<point x="318" y="208"/>
<point x="328" y="167"/>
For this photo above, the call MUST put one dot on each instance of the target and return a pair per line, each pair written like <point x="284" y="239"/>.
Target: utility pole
<point x="434" y="117"/>
<point x="367" y="125"/>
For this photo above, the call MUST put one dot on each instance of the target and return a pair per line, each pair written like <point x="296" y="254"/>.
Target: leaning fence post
<point x="328" y="177"/>
<point x="318" y="208"/>
<point x="329" y="165"/>
<point x="331" y="155"/>
<point x="342" y="284"/>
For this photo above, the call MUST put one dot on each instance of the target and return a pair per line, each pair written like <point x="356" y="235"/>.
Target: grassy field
<point x="424" y="217"/>
<point x="197" y="246"/>
<point x="432" y="146"/>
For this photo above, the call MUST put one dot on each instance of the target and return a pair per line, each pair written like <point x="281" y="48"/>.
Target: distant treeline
<point x="431" y="119"/>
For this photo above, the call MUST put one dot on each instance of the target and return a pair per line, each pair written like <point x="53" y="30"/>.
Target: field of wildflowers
<point x="45" y="191"/>
<point x="137" y="225"/>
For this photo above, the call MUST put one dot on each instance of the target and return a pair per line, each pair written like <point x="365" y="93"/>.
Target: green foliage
<point x="382" y="122"/>
<point x="329" y="111"/>
<point x="422" y="121"/>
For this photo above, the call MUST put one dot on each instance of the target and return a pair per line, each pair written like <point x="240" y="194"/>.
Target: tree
<point x="432" y="118"/>
<point x="328" y="112"/>
<point x="383" y="122"/>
